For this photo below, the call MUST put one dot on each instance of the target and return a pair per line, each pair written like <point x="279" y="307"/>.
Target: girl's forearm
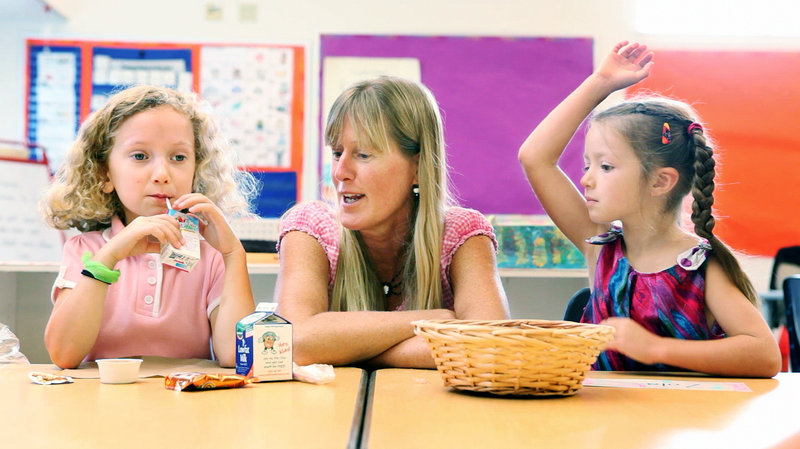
<point x="547" y="141"/>
<point x="74" y="324"/>
<point x="736" y="356"/>
<point x="236" y="303"/>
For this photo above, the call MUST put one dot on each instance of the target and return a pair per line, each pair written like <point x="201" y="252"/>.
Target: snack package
<point x="48" y="379"/>
<point x="9" y="347"/>
<point x="187" y="256"/>
<point x="203" y="381"/>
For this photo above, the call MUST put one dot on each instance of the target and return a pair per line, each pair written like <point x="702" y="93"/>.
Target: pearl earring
<point x="415" y="190"/>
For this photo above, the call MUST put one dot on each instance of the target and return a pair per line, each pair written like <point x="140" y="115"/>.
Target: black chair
<point x="576" y="304"/>
<point x="791" y="301"/>
<point x="786" y="263"/>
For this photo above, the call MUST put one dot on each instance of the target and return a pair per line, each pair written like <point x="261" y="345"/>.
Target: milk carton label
<point x="264" y="347"/>
<point x="187" y="256"/>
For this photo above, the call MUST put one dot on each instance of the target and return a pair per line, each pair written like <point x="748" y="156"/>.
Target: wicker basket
<point x="514" y="357"/>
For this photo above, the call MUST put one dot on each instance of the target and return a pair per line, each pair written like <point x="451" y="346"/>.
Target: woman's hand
<point x="632" y="340"/>
<point x="627" y="64"/>
<point x="213" y="225"/>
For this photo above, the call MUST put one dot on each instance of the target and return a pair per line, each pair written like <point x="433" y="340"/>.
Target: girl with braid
<point x="678" y="301"/>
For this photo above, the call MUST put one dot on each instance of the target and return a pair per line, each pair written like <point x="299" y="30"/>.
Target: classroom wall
<point x="301" y="22"/>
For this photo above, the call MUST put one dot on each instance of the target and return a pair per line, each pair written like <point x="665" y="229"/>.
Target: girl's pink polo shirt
<point x="152" y="309"/>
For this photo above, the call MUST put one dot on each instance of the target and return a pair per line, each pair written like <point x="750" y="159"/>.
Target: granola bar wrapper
<point x="204" y="381"/>
<point x="48" y="379"/>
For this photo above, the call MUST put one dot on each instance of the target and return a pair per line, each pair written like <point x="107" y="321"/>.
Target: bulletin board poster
<point x="752" y="119"/>
<point x="115" y="66"/>
<point x="492" y="92"/>
<point x="54" y="98"/>
<point x="255" y="92"/>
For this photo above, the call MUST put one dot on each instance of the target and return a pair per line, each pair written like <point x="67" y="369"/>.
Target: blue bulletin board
<point x="280" y="193"/>
<point x="54" y="95"/>
<point x="170" y="67"/>
<point x="492" y="92"/>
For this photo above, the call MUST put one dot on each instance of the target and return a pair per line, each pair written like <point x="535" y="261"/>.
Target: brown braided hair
<point x="702" y="192"/>
<point x="641" y="123"/>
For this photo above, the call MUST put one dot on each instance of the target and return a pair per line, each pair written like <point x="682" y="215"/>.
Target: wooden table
<point x="89" y="414"/>
<point x="412" y="409"/>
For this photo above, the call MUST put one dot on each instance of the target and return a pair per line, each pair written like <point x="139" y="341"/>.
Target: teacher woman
<point x="395" y="249"/>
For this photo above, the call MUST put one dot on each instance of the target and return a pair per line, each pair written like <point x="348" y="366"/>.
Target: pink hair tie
<point x="694" y="126"/>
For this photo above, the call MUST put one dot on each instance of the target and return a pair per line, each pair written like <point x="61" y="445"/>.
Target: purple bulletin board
<point x="492" y="92"/>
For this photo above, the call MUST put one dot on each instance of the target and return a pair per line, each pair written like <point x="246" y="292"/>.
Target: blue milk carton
<point x="264" y="346"/>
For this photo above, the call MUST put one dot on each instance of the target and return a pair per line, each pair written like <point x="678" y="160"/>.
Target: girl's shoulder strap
<point x="613" y="233"/>
<point x="693" y="258"/>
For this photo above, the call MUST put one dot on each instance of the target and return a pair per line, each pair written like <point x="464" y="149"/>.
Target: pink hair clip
<point x="693" y="126"/>
<point x="666" y="134"/>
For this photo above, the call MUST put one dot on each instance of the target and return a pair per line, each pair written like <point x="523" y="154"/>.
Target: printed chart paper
<point x="667" y="384"/>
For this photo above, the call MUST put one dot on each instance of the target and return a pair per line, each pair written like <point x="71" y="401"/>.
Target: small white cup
<point x="119" y="371"/>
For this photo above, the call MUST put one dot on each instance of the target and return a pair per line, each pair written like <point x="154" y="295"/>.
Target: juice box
<point x="187" y="256"/>
<point x="264" y="347"/>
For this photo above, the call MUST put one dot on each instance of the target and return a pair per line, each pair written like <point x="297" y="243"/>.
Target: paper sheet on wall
<point x="118" y="71"/>
<point x="55" y="108"/>
<point x="115" y="73"/>
<point x="250" y="90"/>
<point x="666" y="384"/>
<point x="339" y="73"/>
<point x="24" y="236"/>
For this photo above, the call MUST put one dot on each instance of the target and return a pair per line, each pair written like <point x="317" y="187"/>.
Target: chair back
<point x="576" y="304"/>
<point x="786" y="263"/>
<point x="791" y="298"/>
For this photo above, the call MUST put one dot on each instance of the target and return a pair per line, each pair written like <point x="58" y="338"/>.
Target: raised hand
<point x="627" y="64"/>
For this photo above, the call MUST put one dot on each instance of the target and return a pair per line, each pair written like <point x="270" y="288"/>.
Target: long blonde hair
<point x="383" y="110"/>
<point x="75" y="198"/>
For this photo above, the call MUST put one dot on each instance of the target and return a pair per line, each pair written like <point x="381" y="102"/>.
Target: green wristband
<point x="99" y="271"/>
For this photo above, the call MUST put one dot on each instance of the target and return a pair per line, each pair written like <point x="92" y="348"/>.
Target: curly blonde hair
<point x="75" y="198"/>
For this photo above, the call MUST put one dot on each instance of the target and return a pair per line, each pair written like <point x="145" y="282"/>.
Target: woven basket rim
<point x="523" y="356"/>
<point x="533" y="325"/>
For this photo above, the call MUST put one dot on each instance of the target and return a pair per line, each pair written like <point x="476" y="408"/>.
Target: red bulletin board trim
<point x="87" y="65"/>
<point x="750" y="114"/>
<point x="298" y="113"/>
<point x="24" y="161"/>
